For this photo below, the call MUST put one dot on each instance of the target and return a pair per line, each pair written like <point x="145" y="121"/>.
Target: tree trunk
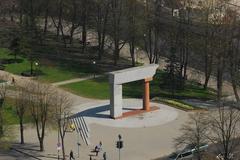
<point x="233" y="73"/>
<point x="1" y="121"/>
<point x="1" y="116"/>
<point x="132" y="52"/>
<point x="40" y="136"/>
<point x="31" y="69"/>
<point x="63" y="148"/>
<point x="104" y="32"/>
<point x="41" y="144"/>
<point x="207" y="77"/>
<point x="208" y="70"/>
<point x="99" y="45"/>
<point x="84" y="26"/>
<point x="59" y="18"/>
<point x="21" y="130"/>
<point x="116" y="55"/>
<point x="84" y="37"/>
<point x="63" y="36"/>
<point x="46" y="22"/>
<point x="219" y="77"/>
<point x="235" y="90"/>
<point x="71" y="33"/>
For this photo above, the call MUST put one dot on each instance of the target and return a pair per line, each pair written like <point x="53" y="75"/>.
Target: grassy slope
<point x="94" y="88"/>
<point x="99" y="88"/>
<point x="49" y="73"/>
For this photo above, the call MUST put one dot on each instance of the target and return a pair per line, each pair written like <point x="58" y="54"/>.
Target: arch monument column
<point x="117" y="78"/>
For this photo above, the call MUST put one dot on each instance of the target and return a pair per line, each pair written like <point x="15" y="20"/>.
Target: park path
<point x="21" y="81"/>
<point x="75" y="80"/>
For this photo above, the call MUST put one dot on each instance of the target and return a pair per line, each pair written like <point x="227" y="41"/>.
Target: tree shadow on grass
<point x="10" y="60"/>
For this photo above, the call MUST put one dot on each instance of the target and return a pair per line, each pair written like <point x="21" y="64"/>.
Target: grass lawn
<point x="98" y="88"/>
<point x="95" y="88"/>
<point x="48" y="73"/>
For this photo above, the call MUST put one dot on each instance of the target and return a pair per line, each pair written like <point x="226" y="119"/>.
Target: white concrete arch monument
<point x="117" y="78"/>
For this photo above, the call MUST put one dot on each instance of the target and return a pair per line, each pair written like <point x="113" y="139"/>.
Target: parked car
<point x="181" y="156"/>
<point x="203" y="147"/>
<point x="187" y="153"/>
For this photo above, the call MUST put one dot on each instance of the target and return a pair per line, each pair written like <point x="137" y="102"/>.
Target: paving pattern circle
<point x="99" y="114"/>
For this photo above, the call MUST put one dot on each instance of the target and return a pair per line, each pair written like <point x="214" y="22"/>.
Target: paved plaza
<point x="100" y="114"/>
<point x="146" y="136"/>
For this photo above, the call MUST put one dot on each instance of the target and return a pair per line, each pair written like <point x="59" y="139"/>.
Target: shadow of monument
<point x="95" y="112"/>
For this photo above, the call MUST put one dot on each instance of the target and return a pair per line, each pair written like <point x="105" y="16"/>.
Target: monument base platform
<point x="137" y="112"/>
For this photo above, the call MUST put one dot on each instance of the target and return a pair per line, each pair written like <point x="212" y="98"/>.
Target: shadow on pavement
<point x="30" y="151"/>
<point x="13" y="155"/>
<point x="98" y="112"/>
<point x="94" y="112"/>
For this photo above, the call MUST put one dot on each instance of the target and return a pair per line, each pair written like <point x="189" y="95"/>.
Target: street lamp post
<point x="136" y="60"/>
<point x="36" y="67"/>
<point x="94" y="68"/>
<point x="119" y="145"/>
<point x="78" y="143"/>
<point x="58" y="144"/>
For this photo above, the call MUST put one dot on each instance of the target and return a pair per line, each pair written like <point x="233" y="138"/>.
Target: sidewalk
<point x="75" y="80"/>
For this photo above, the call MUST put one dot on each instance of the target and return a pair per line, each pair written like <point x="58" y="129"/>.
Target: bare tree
<point x="40" y="98"/>
<point x="224" y="127"/>
<point x="116" y="8"/>
<point x="75" y="23"/>
<point x="132" y="13"/>
<point x="152" y="41"/>
<point x="206" y="7"/>
<point x="234" y="67"/>
<point x="101" y="18"/>
<point x="194" y="133"/>
<point x="233" y="52"/>
<point x="46" y="15"/>
<point x="62" y="112"/>
<point x="3" y="92"/>
<point x="84" y="20"/>
<point x="21" y="104"/>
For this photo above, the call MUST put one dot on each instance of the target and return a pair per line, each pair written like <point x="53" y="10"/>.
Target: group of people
<point x="97" y="149"/>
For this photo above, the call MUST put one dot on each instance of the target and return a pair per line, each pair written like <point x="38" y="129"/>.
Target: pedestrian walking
<point x="100" y="146"/>
<point x="71" y="155"/>
<point x="97" y="150"/>
<point x="90" y="157"/>
<point x="13" y="80"/>
<point x="104" y="156"/>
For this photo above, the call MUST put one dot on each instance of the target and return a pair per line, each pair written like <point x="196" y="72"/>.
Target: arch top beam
<point x="132" y="74"/>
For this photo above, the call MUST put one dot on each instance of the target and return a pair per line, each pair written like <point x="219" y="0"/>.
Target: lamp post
<point x="78" y="143"/>
<point x="119" y="145"/>
<point x="94" y="68"/>
<point x="58" y="144"/>
<point x="36" y="67"/>
<point x="137" y="55"/>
